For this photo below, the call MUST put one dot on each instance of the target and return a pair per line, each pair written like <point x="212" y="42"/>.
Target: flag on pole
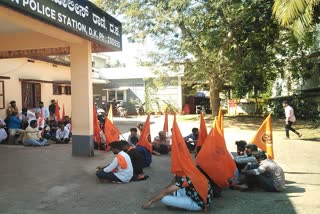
<point x="182" y="164"/>
<point x="63" y="113"/>
<point x="96" y="126"/>
<point x="143" y="140"/>
<point x="203" y="133"/>
<point x="40" y="123"/>
<point x="57" y="112"/>
<point x="220" y="120"/>
<point x="110" y="114"/>
<point x="263" y="138"/>
<point x="214" y="158"/>
<point x="111" y="132"/>
<point x="165" y="125"/>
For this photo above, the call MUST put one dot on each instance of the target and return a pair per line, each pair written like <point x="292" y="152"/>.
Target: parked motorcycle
<point x="122" y="111"/>
<point x="139" y="109"/>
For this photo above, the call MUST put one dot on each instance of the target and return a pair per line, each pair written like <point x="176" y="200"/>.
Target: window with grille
<point x="31" y="94"/>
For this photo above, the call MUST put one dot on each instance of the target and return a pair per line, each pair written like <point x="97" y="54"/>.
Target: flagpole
<point x="122" y="137"/>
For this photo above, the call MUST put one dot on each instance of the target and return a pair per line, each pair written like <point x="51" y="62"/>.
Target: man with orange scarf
<point x="120" y="170"/>
<point x="136" y="160"/>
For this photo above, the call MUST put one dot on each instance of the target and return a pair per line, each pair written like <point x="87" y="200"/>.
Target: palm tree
<point x="296" y="14"/>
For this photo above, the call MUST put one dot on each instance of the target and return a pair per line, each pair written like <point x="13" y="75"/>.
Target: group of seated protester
<point x="24" y="128"/>
<point x="133" y="139"/>
<point x="162" y="143"/>
<point x="34" y="126"/>
<point x="125" y="167"/>
<point x="255" y="170"/>
<point x="58" y="132"/>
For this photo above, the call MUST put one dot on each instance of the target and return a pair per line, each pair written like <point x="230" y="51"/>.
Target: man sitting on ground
<point x="26" y="116"/>
<point x="269" y="175"/>
<point x="14" y="126"/>
<point x="120" y="170"/>
<point x="139" y="128"/>
<point x="32" y="135"/>
<point x="182" y="194"/>
<point x="50" y="129"/>
<point x="243" y="160"/>
<point x="3" y="133"/>
<point x="62" y="134"/>
<point x="241" y="147"/>
<point x="146" y="155"/>
<point x="161" y="144"/>
<point x="192" y="139"/>
<point x="136" y="160"/>
<point x="67" y="124"/>
<point x="133" y="132"/>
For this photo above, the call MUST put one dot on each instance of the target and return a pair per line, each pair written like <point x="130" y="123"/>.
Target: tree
<point x="212" y="38"/>
<point x="297" y="14"/>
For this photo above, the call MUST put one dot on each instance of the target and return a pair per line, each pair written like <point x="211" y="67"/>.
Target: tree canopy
<point x="218" y="41"/>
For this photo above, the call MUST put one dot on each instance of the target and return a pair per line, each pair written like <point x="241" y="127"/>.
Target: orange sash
<point x="130" y="147"/>
<point x="122" y="161"/>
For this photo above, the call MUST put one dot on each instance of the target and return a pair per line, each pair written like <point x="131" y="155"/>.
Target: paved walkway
<point x="50" y="180"/>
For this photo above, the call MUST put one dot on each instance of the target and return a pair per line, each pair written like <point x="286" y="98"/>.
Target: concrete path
<point x="50" y="180"/>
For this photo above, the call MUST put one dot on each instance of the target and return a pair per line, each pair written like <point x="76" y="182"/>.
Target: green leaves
<point x="296" y="14"/>
<point x="219" y="41"/>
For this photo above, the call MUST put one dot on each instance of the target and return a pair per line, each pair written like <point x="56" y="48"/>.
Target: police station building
<point x="40" y="28"/>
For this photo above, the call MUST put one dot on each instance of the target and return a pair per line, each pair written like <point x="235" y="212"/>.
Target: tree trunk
<point x="215" y="88"/>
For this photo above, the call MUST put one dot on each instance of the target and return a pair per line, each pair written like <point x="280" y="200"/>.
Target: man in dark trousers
<point x="290" y="119"/>
<point x="52" y="107"/>
<point x="136" y="160"/>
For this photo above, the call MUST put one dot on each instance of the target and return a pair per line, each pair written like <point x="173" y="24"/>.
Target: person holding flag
<point x="191" y="189"/>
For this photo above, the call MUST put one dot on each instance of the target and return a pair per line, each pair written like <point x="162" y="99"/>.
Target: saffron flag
<point x="165" y="125"/>
<point x="57" y="112"/>
<point x="96" y="126"/>
<point x="110" y="114"/>
<point x="220" y="120"/>
<point x="203" y="133"/>
<point x="182" y="164"/>
<point x="63" y="113"/>
<point x="110" y="131"/>
<point x="214" y="158"/>
<point x="145" y="135"/>
<point x="263" y="138"/>
<point x="40" y="123"/>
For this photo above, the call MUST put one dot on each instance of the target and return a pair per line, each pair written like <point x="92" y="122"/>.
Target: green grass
<point x="309" y="129"/>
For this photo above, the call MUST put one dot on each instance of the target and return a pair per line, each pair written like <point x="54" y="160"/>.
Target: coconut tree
<point x="299" y="15"/>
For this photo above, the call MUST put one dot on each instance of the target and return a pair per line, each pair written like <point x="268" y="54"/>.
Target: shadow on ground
<point x="50" y="180"/>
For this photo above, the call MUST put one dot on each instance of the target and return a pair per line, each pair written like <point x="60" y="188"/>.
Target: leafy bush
<point x="304" y="107"/>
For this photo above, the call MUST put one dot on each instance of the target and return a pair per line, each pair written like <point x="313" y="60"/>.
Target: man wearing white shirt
<point x="120" y="170"/>
<point x="26" y="117"/>
<point x="62" y="134"/>
<point x="3" y="133"/>
<point x="290" y="119"/>
<point x="42" y="112"/>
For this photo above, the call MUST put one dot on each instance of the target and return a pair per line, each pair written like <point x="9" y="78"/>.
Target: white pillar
<point x="81" y="99"/>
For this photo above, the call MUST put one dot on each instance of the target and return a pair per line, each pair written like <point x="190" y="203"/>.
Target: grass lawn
<point x="310" y="130"/>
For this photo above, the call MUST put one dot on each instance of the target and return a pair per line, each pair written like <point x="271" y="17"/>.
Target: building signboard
<point x="80" y="17"/>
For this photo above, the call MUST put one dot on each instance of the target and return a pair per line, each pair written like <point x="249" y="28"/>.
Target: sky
<point x="131" y="52"/>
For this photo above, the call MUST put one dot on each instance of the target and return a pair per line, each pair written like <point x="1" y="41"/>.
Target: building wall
<point x="22" y="69"/>
<point x="135" y="88"/>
